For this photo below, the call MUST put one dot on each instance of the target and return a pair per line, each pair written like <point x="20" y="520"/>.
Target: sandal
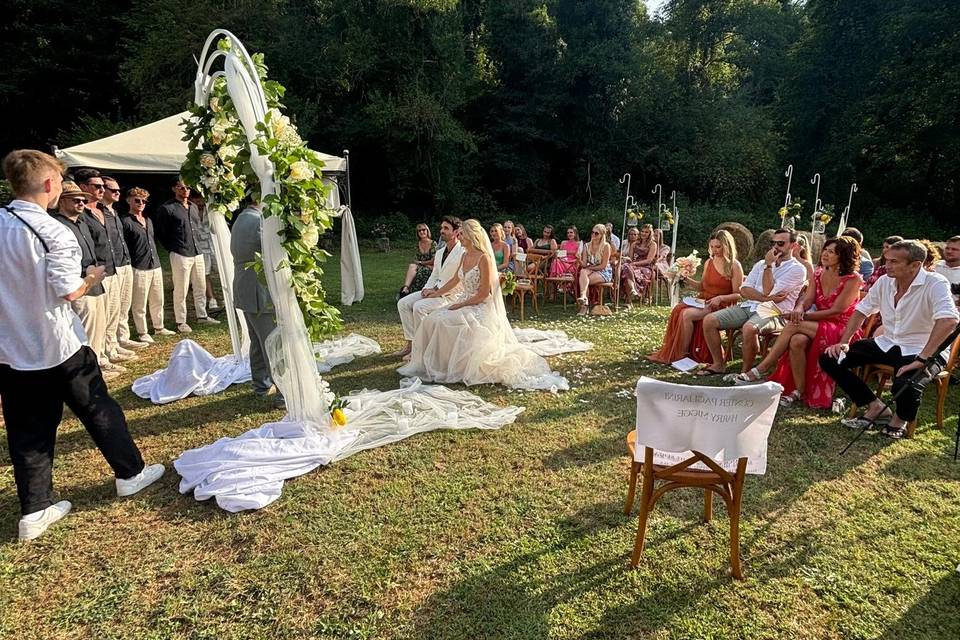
<point x="706" y="372"/>
<point x="894" y="433"/>
<point x="861" y="422"/>
<point x="750" y="377"/>
<point x="795" y="397"/>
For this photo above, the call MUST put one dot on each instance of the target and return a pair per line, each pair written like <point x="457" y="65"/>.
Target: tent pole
<point x="346" y="156"/>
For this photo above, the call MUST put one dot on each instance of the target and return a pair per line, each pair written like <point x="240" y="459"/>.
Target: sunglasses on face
<point x="781" y="243"/>
<point x="112" y="190"/>
<point x="140" y="200"/>
<point x="96" y="185"/>
<point x="78" y="200"/>
<point x="596" y="233"/>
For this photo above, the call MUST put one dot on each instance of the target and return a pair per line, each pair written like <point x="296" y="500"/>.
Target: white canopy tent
<point x="157" y="147"/>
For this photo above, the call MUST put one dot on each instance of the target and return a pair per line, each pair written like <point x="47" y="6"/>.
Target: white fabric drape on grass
<point x="351" y="273"/>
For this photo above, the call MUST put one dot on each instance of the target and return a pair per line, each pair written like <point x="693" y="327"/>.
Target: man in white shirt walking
<point x="416" y="306"/>
<point x="918" y="314"/>
<point x="776" y="280"/>
<point x="44" y="359"/>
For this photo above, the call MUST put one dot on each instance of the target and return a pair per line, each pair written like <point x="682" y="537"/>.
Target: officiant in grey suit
<point x="252" y="297"/>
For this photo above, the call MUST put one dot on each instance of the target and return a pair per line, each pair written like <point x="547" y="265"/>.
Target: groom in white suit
<point x="415" y="307"/>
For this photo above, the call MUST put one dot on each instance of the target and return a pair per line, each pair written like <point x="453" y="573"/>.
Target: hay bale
<point x="760" y="248"/>
<point x="742" y="237"/>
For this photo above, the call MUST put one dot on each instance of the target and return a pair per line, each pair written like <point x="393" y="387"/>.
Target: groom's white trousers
<point x="414" y="308"/>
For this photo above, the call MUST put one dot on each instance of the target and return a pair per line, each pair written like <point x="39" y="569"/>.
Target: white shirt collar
<point x="21" y="205"/>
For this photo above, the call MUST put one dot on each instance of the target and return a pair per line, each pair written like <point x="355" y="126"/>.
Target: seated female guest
<point x="720" y="287"/>
<point x="594" y="265"/>
<point x="933" y="254"/>
<point x="545" y="246"/>
<point x="565" y="263"/>
<point x="419" y="271"/>
<point x="804" y="255"/>
<point x="523" y="242"/>
<point x="501" y="251"/>
<point x="637" y="266"/>
<point x="834" y="294"/>
<point x="880" y="264"/>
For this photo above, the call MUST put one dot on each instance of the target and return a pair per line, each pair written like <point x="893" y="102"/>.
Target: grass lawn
<point x="517" y="533"/>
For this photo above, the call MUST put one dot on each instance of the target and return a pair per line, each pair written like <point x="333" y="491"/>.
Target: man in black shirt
<point x="91" y="308"/>
<point x="177" y="223"/>
<point x="147" y="275"/>
<point x="118" y="340"/>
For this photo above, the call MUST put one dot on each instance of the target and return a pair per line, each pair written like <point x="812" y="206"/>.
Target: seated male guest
<point x="252" y="297"/>
<point x="775" y="281"/>
<point x="918" y="314"/>
<point x="415" y="307"/>
<point x="44" y="361"/>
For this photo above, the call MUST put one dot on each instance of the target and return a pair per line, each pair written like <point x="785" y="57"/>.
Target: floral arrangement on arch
<point x="218" y="167"/>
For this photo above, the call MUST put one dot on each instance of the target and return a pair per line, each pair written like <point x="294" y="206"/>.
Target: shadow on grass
<point x="934" y="616"/>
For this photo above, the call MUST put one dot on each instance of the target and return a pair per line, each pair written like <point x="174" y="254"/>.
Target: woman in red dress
<point x="817" y="322"/>
<point x="720" y="287"/>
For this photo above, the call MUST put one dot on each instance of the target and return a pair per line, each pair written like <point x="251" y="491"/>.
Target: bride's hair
<point x="473" y="233"/>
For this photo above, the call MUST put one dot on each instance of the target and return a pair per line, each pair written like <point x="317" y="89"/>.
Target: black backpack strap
<point x="13" y="212"/>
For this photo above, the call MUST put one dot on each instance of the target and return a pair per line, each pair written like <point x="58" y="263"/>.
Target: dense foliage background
<point x="537" y="107"/>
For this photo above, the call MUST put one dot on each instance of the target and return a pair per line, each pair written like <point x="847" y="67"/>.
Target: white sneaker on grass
<point x="133" y="344"/>
<point x="184" y="328"/>
<point x="163" y="331"/>
<point x="142" y="480"/>
<point x="207" y="320"/>
<point x="212" y="304"/>
<point x="146" y="338"/>
<point x="33" y="525"/>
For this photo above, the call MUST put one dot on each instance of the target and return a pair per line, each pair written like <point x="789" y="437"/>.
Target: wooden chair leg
<point x="737" y="495"/>
<point x="646" y="493"/>
<point x="707" y="505"/>
<point x="631" y="487"/>
<point x="911" y="427"/>
<point x="943" y="385"/>
<point x="523" y="296"/>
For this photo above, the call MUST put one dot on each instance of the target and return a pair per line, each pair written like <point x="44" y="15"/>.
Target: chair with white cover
<point x="702" y="437"/>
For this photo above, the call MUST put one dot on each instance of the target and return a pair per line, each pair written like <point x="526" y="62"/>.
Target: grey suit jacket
<point x="249" y="294"/>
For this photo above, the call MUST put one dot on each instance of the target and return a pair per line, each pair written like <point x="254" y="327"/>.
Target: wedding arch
<point x="241" y="143"/>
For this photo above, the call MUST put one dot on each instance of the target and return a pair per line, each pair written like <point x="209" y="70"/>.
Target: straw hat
<point x="71" y="190"/>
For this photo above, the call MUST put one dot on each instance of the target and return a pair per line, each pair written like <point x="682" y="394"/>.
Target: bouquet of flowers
<point x="634" y="216"/>
<point x="682" y="268"/>
<point x="790" y="214"/>
<point x="821" y="218"/>
<point x="508" y="283"/>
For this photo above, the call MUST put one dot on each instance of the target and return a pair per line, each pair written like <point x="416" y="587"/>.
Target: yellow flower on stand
<point x="824" y="218"/>
<point x="339" y="418"/>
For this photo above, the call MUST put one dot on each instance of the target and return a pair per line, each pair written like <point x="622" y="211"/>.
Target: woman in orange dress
<point x="720" y="287"/>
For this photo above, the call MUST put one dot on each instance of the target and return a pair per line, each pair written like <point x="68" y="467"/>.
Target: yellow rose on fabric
<point x="338" y="417"/>
<point x="300" y="171"/>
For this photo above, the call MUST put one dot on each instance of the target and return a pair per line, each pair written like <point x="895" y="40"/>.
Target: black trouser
<point x="33" y="407"/>
<point x="864" y="352"/>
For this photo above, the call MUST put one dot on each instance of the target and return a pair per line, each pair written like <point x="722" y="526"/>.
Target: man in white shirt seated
<point x="949" y="267"/>
<point x="45" y="359"/>
<point x="775" y="281"/>
<point x="918" y="314"/>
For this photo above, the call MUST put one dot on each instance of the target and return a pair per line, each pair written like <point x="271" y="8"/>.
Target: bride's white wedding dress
<point x="475" y="344"/>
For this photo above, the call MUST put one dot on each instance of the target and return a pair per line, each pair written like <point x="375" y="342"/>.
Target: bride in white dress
<point x="471" y="341"/>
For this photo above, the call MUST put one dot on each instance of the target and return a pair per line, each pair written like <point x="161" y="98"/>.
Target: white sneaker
<point x="146" y="338"/>
<point x="142" y="480"/>
<point x="212" y="304"/>
<point x="183" y="328"/>
<point x="164" y="332"/>
<point x="133" y="344"/>
<point x="207" y="320"/>
<point x="113" y="367"/>
<point x="124" y="352"/>
<point x="123" y="357"/>
<point x="34" y="524"/>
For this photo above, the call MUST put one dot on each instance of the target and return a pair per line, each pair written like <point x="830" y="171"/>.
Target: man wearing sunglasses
<point x="769" y="293"/>
<point x="147" y="274"/>
<point x="118" y="342"/>
<point x="178" y="227"/>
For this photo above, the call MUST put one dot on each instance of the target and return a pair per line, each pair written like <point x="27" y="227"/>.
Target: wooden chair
<point x="521" y="291"/>
<point x="766" y="339"/>
<point x="883" y="374"/>
<point x="557" y="283"/>
<point x="729" y="486"/>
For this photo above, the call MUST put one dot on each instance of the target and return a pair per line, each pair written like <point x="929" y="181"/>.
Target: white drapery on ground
<point x="247" y="472"/>
<point x="549" y="343"/>
<point x="351" y="274"/>
<point x="192" y="370"/>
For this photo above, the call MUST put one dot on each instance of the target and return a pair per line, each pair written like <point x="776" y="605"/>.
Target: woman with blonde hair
<point x="594" y="265"/>
<point x="471" y="341"/>
<point x="501" y="250"/>
<point x="719" y="288"/>
<point x="418" y="272"/>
